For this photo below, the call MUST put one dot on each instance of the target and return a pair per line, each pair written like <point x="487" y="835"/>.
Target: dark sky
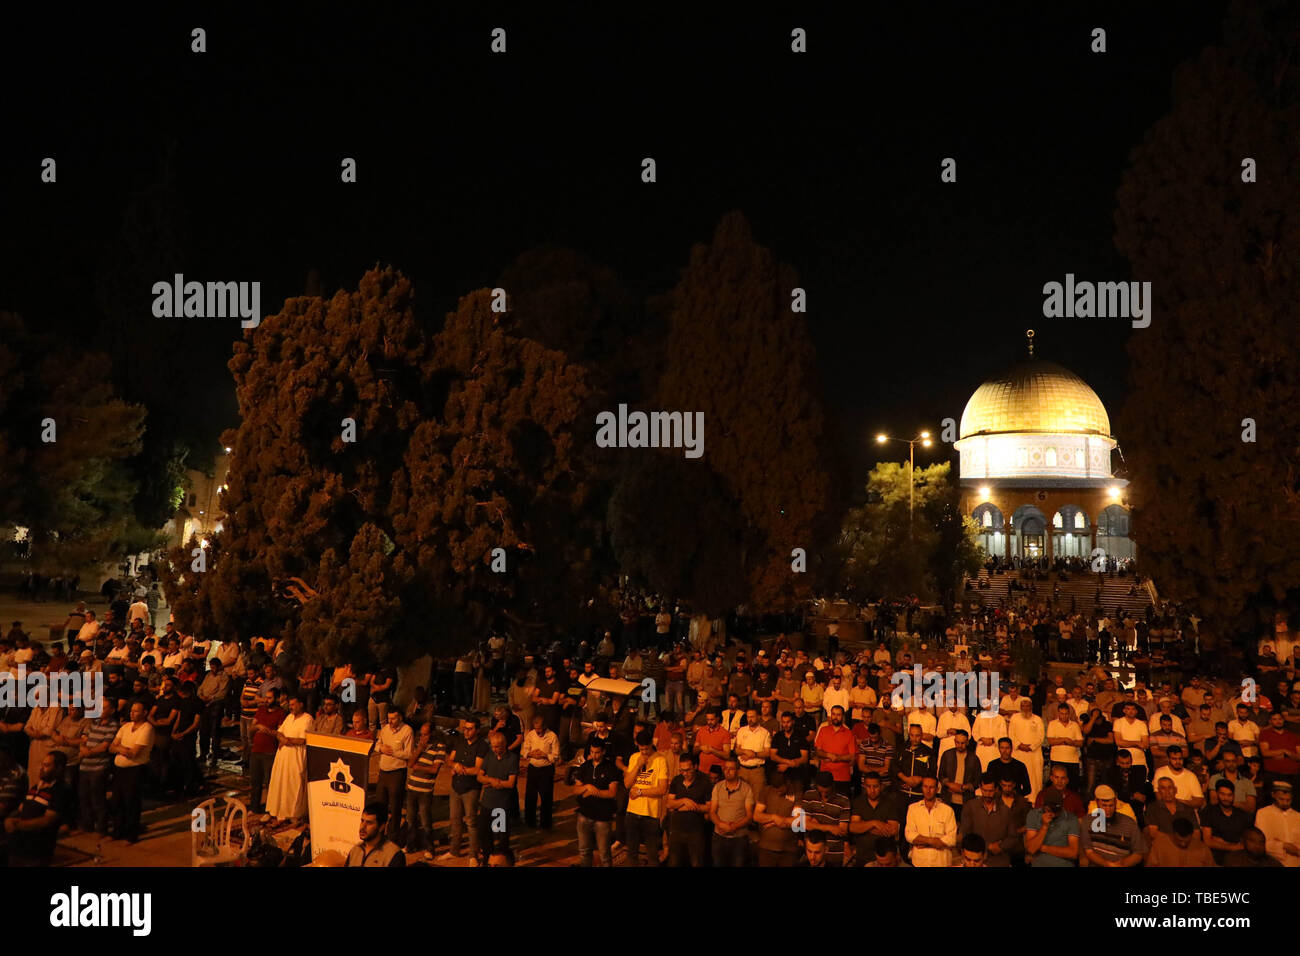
<point x="918" y="289"/>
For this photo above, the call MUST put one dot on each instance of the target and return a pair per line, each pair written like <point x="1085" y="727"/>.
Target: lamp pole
<point x="924" y="440"/>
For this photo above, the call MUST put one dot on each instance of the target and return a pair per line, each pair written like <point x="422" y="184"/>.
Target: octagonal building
<point x="1036" y="474"/>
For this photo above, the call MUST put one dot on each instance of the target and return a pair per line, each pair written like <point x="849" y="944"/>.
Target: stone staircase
<point x="1082" y="586"/>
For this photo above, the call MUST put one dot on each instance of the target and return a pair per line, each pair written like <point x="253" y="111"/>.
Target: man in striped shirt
<point x="92" y="782"/>
<point x="828" y="810"/>
<point x="249" y="696"/>
<point x="422" y="773"/>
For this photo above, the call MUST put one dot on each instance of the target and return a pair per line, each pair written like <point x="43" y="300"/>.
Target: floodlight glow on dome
<point x="1036" y="420"/>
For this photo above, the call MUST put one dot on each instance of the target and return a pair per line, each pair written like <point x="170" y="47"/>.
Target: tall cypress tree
<point x="739" y="353"/>
<point x="464" y="442"/>
<point x="1216" y="517"/>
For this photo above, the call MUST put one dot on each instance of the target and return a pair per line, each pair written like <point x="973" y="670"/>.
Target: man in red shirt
<point x="836" y="749"/>
<point x="1281" y="748"/>
<point x="712" y="742"/>
<point x="266" y="721"/>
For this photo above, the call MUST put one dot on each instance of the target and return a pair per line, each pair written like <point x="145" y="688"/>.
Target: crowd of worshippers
<point x="787" y="760"/>
<point x="742" y="755"/>
<point x="86" y="765"/>
<point x="1150" y="642"/>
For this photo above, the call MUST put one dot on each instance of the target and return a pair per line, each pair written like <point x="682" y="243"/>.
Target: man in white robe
<point x="286" y="798"/>
<point x="1027" y="733"/>
<point x="988" y="729"/>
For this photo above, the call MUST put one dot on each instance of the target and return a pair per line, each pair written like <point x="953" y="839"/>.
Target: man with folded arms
<point x="993" y="820"/>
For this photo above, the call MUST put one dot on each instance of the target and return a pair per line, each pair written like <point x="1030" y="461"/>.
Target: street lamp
<point x="924" y="440"/>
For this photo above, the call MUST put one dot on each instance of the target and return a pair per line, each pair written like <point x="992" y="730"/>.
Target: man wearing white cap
<point x="1119" y="842"/>
<point x="1166" y="707"/>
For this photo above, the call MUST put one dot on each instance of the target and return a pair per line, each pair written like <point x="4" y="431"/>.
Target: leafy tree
<point x="504" y="463"/>
<point x="1217" y="519"/>
<point x="883" y="553"/>
<point x="466" y="441"/>
<point x="738" y="353"/>
<point x="563" y="300"/>
<point x="74" y="493"/>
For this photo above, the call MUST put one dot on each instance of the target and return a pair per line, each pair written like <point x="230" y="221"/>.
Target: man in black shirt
<point x="688" y="820"/>
<point x="547" y="694"/>
<point x="183" y="766"/>
<point x="1254" y="852"/>
<point x="876" y="813"/>
<point x="596" y="789"/>
<point x="599" y="731"/>
<point x="140" y="694"/>
<point x="1130" y="784"/>
<point x="1223" y="825"/>
<point x="13" y="737"/>
<point x="764" y="681"/>
<point x="1117" y="711"/>
<point x="1007" y="767"/>
<point x="382" y="683"/>
<point x="790" y="753"/>
<point x="915" y="763"/>
<point x="162" y="715"/>
<point x="32" y="830"/>
<point x="805" y="724"/>
<point x="467" y="752"/>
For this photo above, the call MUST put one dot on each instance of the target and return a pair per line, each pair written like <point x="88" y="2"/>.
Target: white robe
<point x="1028" y="730"/>
<point x="995" y="727"/>
<point x="286" y="797"/>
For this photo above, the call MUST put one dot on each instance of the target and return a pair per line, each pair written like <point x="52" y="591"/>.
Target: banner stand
<point x="337" y="771"/>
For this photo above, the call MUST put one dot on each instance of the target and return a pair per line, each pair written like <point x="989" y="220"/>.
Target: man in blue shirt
<point x="1051" y="834"/>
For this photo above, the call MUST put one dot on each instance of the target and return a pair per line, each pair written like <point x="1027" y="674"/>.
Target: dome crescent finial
<point x="1029" y="334"/>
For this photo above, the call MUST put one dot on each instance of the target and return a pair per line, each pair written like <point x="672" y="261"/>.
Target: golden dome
<point x="1035" y="396"/>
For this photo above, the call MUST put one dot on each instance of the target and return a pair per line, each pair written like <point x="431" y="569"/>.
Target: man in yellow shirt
<point x="647" y="782"/>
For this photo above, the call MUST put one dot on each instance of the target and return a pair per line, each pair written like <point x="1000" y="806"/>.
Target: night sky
<point x="917" y="289"/>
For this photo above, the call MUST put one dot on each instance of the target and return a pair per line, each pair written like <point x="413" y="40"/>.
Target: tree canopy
<point x="882" y="552"/>
<point x="1217" y="518"/>
<point x="738" y="352"/>
<point x="75" y="493"/>
<point x="465" y="441"/>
